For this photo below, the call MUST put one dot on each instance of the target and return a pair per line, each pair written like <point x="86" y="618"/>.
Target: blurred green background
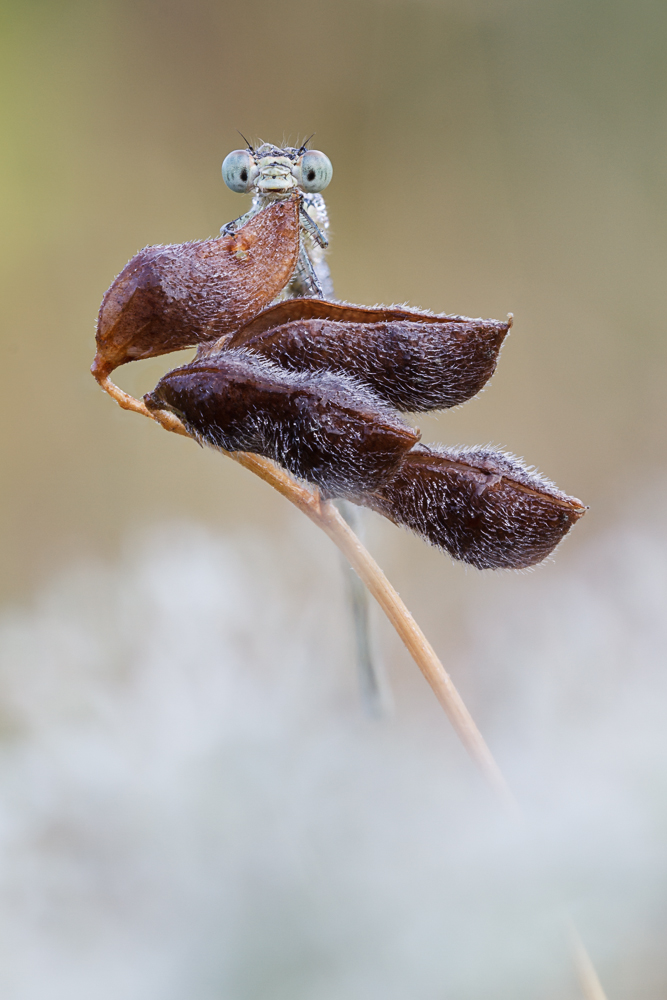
<point x="488" y="156"/>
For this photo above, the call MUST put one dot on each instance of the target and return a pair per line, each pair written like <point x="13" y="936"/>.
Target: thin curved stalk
<point x="325" y="516"/>
<point x="588" y="978"/>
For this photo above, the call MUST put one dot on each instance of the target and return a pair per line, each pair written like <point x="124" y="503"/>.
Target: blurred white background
<point x="194" y="804"/>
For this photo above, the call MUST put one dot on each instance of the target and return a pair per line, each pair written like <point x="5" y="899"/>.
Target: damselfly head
<point x="275" y="172"/>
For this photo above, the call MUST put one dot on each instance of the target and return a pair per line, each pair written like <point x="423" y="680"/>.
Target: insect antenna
<point x="304" y="147"/>
<point x="246" y="142"/>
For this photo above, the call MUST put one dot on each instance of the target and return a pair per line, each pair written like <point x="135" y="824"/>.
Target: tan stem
<point x="325" y="515"/>
<point x="591" y="986"/>
<point x="417" y="645"/>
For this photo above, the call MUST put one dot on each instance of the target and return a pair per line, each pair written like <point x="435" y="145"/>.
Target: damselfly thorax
<point x="273" y="173"/>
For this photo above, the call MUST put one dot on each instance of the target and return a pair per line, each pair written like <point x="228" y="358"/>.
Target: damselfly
<point x="273" y="173"/>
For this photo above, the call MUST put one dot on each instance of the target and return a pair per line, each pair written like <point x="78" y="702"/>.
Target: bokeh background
<point x="193" y="802"/>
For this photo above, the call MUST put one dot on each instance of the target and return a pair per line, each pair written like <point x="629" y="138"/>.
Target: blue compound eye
<point x="316" y="171"/>
<point x="238" y="170"/>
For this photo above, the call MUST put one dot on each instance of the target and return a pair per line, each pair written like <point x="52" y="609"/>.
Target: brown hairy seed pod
<point x="322" y="427"/>
<point x="483" y="506"/>
<point x="171" y="297"/>
<point x="413" y="360"/>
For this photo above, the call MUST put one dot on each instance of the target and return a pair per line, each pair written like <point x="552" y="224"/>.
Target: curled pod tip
<point x="171" y="297"/>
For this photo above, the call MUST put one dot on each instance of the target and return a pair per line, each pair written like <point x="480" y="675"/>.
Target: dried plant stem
<point x="325" y="515"/>
<point x="591" y="986"/>
<point x="328" y="518"/>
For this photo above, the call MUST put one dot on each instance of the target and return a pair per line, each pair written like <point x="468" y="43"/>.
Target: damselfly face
<point x="274" y="173"/>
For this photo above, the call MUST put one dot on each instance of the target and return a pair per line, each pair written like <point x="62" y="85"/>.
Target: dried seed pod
<point x="321" y="427"/>
<point x="170" y="297"/>
<point x="482" y="506"/>
<point x="414" y="361"/>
